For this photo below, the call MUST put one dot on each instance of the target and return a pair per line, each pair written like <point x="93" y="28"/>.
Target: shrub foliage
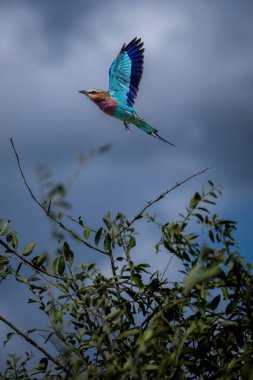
<point x="137" y="323"/>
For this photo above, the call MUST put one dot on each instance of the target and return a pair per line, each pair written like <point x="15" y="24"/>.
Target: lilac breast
<point x="108" y="105"/>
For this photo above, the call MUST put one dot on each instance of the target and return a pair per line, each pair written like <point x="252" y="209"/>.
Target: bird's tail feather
<point x="145" y="127"/>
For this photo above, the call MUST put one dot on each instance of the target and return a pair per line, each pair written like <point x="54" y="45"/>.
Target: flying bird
<point x="124" y="77"/>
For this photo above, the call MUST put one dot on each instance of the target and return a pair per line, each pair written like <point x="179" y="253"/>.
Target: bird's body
<point x="104" y="101"/>
<point x="124" y="78"/>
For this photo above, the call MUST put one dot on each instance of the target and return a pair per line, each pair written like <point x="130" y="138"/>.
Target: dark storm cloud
<point x="58" y="22"/>
<point x="197" y="85"/>
<point x="58" y="18"/>
<point x="229" y="133"/>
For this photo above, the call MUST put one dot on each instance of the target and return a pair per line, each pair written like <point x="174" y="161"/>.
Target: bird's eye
<point x="93" y="92"/>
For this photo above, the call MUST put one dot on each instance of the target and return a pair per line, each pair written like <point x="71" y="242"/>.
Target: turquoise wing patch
<point x="126" y="71"/>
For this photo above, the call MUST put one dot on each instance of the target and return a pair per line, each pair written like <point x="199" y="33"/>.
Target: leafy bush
<point x="138" y="323"/>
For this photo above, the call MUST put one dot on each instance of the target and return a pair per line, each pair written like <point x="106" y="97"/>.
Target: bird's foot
<point x="127" y="126"/>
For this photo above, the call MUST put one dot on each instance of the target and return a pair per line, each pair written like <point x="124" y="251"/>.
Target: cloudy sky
<point x="197" y="90"/>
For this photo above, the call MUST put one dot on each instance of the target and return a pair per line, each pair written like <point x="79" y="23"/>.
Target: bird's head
<point x="94" y="94"/>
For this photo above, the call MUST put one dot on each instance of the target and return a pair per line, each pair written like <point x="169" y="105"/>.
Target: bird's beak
<point x="83" y="92"/>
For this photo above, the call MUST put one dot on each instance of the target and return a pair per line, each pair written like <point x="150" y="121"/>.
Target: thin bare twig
<point x="32" y="342"/>
<point x="167" y="266"/>
<point x="161" y="196"/>
<point x="77" y="222"/>
<point x="73" y="234"/>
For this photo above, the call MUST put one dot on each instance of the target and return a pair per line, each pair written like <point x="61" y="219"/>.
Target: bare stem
<point x="161" y="196"/>
<point x="32" y="342"/>
<point x="52" y="217"/>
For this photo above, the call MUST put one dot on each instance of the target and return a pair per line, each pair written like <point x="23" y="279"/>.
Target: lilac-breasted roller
<point x="124" y="77"/>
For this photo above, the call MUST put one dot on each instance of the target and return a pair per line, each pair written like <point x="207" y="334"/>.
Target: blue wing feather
<point x="126" y="71"/>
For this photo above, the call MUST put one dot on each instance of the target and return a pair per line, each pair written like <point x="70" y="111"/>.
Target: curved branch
<point x="47" y="212"/>
<point x="150" y="203"/>
<point x="32" y="342"/>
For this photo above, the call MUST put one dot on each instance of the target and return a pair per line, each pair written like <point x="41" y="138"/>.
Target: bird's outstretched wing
<point x="126" y="71"/>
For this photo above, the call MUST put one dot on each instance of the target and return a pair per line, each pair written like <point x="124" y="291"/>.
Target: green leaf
<point x="195" y="200"/>
<point x="8" y="337"/>
<point x="169" y="247"/>
<point x="108" y="224"/>
<point x="61" y="266"/>
<point x="225" y="293"/>
<point x="229" y="323"/>
<point x="113" y="315"/>
<point x="64" y="288"/>
<point x="199" y="216"/>
<point x="120" y="258"/>
<point x="55" y="264"/>
<point x="43" y="363"/>
<point x="107" y="242"/>
<point x="138" y="282"/>
<point x="232" y="364"/>
<point x="209" y="202"/>
<point x="191" y="279"/>
<point x="142" y="268"/>
<point x="203" y="209"/>
<point x="34" y="279"/>
<point x="12" y="238"/>
<point x="40" y="259"/>
<point x="19" y="267"/>
<point x="148" y="334"/>
<point x="68" y="253"/>
<point x="212" y="193"/>
<point x="210" y="273"/>
<point x="5" y="229"/>
<point x="98" y="236"/>
<point x="131" y="332"/>
<point x="128" y="366"/>
<point x="86" y="233"/>
<point x="131" y="244"/>
<point x="14" y="241"/>
<point x="3" y="261"/>
<point x="22" y="279"/>
<point x="29" y="249"/>
<point x="191" y="328"/>
<point x="151" y="367"/>
<point x="215" y="302"/>
<point x="195" y="277"/>
<point x="31" y="300"/>
<point x="211" y="235"/>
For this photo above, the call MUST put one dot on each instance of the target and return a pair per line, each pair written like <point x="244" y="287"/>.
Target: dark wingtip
<point x="135" y="41"/>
